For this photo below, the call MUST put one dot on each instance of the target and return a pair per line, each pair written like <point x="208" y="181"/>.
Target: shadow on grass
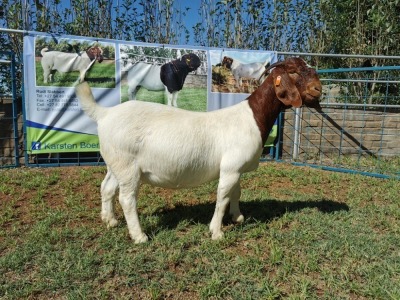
<point x="256" y="210"/>
<point x="101" y="80"/>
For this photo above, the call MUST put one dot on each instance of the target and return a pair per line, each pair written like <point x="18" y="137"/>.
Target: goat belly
<point x="183" y="170"/>
<point x="170" y="180"/>
<point x="172" y="77"/>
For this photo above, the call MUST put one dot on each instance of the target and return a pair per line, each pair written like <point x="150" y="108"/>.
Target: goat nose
<point x="315" y="86"/>
<point x="318" y="88"/>
<point x="315" y="89"/>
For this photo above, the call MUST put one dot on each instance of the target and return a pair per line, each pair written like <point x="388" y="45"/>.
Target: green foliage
<point x="256" y="24"/>
<point x="350" y="26"/>
<point x="324" y="26"/>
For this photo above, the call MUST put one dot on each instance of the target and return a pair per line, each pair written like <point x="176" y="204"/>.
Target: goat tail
<point x="87" y="101"/>
<point x="44" y="50"/>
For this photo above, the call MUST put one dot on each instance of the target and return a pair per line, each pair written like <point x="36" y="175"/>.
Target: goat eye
<point x="294" y="75"/>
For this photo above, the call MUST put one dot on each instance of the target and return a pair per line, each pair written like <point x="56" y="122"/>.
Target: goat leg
<point x="109" y="188"/>
<point x="227" y="188"/>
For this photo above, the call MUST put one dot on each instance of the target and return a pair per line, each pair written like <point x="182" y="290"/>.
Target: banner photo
<point x="165" y="75"/>
<point x="54" y="121"/>
<point x="191" y="78"/>
<point x="235" y="75"/>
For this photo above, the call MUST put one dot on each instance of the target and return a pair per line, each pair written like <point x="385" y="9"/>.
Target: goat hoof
<point x="238" y="219"/>
<point x="112" y="223"/>
<point x="141" y="239"/>
<point x="109" y="220"/>
<point x="217" y="236"/>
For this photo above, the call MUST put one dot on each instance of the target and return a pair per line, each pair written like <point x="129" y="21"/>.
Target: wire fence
<point x="10" y="114"/>
<point x="358" y="129"/>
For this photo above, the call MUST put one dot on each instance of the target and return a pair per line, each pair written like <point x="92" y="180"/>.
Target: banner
<point x="191" y="78"/>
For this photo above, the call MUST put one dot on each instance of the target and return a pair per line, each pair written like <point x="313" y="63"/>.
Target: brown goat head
<point x="295" y="83"/>
<point x="95" y="53"/>
<point x="227" y="62"/>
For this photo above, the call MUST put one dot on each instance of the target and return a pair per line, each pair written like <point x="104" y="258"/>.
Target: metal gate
<point x="358" y="129"/>
<point x="9" y="113"/>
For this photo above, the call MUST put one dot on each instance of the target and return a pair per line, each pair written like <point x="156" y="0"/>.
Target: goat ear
<point x="286" y="91"/>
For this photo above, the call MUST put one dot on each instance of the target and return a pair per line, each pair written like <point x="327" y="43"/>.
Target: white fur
<point x="251" y="70"/>
<point x="64" y="62"/>
<point x="148" y="76"/>
<point x="172" y="148"/>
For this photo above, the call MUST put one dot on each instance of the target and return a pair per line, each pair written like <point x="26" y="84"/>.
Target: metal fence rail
<point x="9" y="114"/>
<point x="349" y="134"/>
<point x="64" y="159"/>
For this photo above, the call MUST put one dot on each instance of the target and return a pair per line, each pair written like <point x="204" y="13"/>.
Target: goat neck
<point x="265" y="106"/>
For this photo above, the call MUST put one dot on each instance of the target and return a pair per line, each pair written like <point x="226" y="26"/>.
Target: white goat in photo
<point x="64" y="62"/>
<point x="241" y="70"/>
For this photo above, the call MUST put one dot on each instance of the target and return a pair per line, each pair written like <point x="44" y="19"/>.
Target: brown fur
<point x="227" y="62"/>
<point x="299" y="84"/>
<point x="95" y="53"/>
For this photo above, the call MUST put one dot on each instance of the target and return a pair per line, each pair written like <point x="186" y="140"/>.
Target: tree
<point x="368" y="27"/>
<point x="322" y="26"/>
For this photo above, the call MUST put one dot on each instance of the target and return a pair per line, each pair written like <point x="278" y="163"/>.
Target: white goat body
<point x="145" y="75"/>
<point x="173" y="148"/>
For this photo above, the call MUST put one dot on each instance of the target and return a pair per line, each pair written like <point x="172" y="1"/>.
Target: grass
<point x="194" y="99"/>
<point x="388" y="166"/>
<point x="308" y="234"/>
<point x="100" y="75"/>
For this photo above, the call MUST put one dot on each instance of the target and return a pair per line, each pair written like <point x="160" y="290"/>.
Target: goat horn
<point x="277" y="64"/>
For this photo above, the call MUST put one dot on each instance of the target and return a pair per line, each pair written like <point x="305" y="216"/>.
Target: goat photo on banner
<point x="235" y="75"/>
<point x="238" y="71"/>
<point x="118" y="71"/>
<point x="52" y="66"/>
<point x="176" y="77"/>
<point x="59" y="62"/>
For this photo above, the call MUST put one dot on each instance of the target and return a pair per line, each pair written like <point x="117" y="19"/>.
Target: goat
<point x="64" y="62"/>
<point x="240" y="70"/>
<point x="173" y="148"/>
<point x="170" y="76"/>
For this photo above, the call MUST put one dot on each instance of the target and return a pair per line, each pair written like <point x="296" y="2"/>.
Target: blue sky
<point x="190" y="19"/>
<point x="193" y="15"/>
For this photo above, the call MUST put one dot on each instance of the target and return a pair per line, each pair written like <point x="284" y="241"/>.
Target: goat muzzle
<point x="313" y="94"/>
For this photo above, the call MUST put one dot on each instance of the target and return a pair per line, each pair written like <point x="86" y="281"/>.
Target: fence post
<point x="296" y="140"/>
<point x="14" y="109"/>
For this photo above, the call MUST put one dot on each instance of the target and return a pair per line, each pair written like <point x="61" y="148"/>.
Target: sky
<point x="192" y="16"/>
